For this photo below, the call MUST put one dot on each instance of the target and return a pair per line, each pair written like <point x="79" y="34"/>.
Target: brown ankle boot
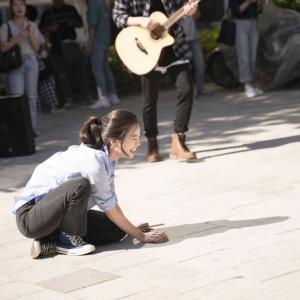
<point x="153" y="155"/>
<point x="179" y="149"/>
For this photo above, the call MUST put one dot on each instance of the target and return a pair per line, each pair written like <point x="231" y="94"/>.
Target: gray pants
<point x="65" y="209"/>
<point x="246" y="47"/>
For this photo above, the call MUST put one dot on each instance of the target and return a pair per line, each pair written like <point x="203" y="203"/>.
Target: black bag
<point x="228" y="28"/>
<point x="227" y="32"/>
<point x="45" y="68"/>
<point x="10" y="59"/>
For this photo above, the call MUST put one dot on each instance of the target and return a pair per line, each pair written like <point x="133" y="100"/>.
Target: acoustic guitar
<point x="139" y="49"/>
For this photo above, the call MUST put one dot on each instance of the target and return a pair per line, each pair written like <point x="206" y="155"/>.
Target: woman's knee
<point x="81" y="188"/>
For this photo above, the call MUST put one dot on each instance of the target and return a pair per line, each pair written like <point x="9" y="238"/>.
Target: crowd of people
<point x="55" y="206"/>
<point x="52" y="55"/>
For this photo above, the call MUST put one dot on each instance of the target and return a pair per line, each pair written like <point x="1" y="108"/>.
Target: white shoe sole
<point x="35" y="249"/>
<point x="76" y="252"/>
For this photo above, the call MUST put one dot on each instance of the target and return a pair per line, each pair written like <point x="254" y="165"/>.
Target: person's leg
<point x="243" y="51"/>
<point x="184" y="86"/>
<point x="62" y="78"/>
<point x="243" y="48"/>
<point x="62" y="211"/>
<point x="181" y="75"/>
<point x="253" y="51"/>
<point x="100" y="230"/>
<point x="110" y="81"/>
<point x="150" y="86"/>
<point x="16" y="81"/>
<point x="97" y="61"/>
<point x="63" y="208"/>
<point x="253" y="45"/>
<point x="198" y="64"/>
<point x="31" y="83"/>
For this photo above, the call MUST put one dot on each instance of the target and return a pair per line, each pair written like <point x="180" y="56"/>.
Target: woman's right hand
<point x="155" y="237"/>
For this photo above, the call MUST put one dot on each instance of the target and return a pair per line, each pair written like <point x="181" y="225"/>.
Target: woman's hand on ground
<point x="155" y="237"/>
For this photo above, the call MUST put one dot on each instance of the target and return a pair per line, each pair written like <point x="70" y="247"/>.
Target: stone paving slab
<point x="232" y="215"/>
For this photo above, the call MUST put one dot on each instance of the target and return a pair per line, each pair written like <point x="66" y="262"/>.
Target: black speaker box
<point x="16" y="135"/>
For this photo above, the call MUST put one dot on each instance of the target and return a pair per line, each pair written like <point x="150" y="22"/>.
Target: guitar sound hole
<point x="157" y="32"/>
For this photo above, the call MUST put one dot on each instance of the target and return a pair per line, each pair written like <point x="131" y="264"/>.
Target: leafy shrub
<point x="293" y="4"/>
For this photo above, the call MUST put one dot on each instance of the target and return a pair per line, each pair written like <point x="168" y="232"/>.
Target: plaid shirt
<point x="136" y="8"/>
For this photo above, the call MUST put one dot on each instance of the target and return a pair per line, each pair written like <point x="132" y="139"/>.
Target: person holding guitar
<point x="174" y="59"/>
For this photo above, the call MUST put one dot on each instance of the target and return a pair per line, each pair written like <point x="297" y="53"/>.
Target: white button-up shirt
<point x="76" y="161"/>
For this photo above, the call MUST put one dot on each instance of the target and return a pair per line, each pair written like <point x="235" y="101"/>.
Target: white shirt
<point x="77" y="161"/>
<point x="26" y="48"/>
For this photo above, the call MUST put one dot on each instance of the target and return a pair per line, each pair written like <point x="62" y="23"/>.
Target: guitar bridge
<point x="140" y="46"/>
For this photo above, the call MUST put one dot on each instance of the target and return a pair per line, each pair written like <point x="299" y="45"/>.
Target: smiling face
<point x="128" y="147"/>
<point x="18" y="8"/>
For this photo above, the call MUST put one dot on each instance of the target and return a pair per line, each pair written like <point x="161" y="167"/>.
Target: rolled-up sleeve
<point x="102" y="182"/>
<point x="120" y="13"/>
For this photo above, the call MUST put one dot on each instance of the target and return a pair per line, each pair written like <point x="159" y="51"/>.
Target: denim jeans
<point x="24" y="80"/>
<point x="198" y="64"/>
<point x="246" y="46"/>
<point x="102" y="71"/>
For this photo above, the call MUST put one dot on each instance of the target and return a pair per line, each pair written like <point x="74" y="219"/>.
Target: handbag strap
<point x="9" y="34"/>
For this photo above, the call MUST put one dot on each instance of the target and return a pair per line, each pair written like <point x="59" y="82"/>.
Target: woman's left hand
<point x="190" y="8"/>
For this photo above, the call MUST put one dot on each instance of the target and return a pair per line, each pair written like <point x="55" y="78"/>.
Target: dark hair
<point x="31" y="13"/>
<point x="11" y="9"/>
<point x="96" y="132"/>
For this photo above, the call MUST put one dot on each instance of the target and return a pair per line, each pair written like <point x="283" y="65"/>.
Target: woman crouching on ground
<point x="55" y="207"/>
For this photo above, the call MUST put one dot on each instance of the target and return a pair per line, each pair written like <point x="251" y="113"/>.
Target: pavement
<point x="232" y="216"/>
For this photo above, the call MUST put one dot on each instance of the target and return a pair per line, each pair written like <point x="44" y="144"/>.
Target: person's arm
<point x="76" y="18"/>
<point x="93" y="15"/>
<point x="260" y="6"/>
<point x="116" y="215"/>
<point x="245" y="5"/>
<point x="33" y="36"/>
<point x="6" y="45"/>
<point x="121" y="13"/>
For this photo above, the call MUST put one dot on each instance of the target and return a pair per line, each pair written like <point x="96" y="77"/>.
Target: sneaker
<point x="101" y="103"/>
<point x="258" y="91"/>
<point x="69" y="104"/>
<point x="113" y="99"/>
<point x="42" y="246"/>
<point x="250" y="91"/>
<point x="73" y="245"/>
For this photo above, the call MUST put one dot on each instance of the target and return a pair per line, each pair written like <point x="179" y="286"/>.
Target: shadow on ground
<point x="183" y="232"/>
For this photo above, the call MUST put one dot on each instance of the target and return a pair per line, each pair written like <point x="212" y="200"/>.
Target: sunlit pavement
<point x="232" y="216"/>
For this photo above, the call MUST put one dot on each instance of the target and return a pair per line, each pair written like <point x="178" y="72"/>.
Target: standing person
<point x="175" y="60"/>
<point x="23" y="80"/>
<point x="55" y="207"/>
<point x="97" y="47"/>
<point x="58" y="23"/>
<point x="192" y="37"/>
<point x="245" y="13"/>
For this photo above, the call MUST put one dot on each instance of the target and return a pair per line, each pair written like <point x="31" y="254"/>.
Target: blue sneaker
<point x="43" y="246"/>
<point x="73" y="245"/>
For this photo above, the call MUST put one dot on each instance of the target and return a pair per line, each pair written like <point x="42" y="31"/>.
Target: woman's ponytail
<point x="90" y="133"/>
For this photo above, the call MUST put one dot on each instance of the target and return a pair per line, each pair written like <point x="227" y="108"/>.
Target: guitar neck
<point x="177" y="15"/>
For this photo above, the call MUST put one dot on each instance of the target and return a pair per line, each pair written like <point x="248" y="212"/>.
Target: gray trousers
<point x="246" y="41"/>
<point x="65" y="209"/>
